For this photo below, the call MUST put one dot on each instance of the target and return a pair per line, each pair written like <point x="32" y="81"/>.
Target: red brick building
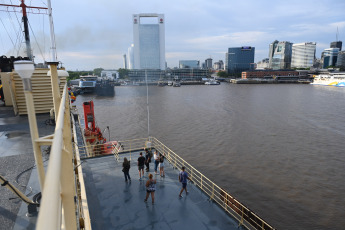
<point x="268" y="73"/>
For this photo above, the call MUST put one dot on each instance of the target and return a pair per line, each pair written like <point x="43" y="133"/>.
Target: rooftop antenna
<point x="337" y="34"/>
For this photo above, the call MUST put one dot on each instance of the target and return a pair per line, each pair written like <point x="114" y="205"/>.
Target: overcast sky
<point x="92" y="34"/>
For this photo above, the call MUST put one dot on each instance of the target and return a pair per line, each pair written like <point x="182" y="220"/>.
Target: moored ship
<point x="331" y="79"/>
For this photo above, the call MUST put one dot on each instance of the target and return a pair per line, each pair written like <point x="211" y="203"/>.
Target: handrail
<point x="57" y="192"/>
<point x="244" y="215"/>
<point x="231" y="205"/>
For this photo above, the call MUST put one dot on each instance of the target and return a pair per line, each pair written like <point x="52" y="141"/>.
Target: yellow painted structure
<point x="41" y="90"/>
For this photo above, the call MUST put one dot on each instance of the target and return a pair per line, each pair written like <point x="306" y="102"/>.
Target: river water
<point x="279" y="149"/>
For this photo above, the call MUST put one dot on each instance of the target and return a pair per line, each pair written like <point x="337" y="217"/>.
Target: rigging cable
<point x="36" y="41"/>
<point x="15" y="32"/>
<point x="19" y="32"/>
<point x="7" y="32"/>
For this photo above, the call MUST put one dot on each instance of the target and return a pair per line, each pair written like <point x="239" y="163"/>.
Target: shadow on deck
<point x="116" y="204"/>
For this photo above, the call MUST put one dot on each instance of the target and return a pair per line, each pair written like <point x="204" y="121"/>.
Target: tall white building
<point x="149" y="42"/>
<point x="130" y="57"/>
<point x="303" y="55"/>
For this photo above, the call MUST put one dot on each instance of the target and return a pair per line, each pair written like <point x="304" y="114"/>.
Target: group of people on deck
<point x="159" y="164"/>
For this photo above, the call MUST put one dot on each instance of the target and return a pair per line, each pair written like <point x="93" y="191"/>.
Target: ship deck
<point x="116" y="204"/>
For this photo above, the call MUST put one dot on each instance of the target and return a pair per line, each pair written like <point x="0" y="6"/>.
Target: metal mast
<point x="26" y="31"/>
<point x="26" y="26"/>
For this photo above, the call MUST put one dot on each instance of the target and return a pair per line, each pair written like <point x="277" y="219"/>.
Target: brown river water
<point x="279" y="149"/>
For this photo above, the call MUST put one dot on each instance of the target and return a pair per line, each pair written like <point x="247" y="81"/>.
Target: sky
<point x="96" y="34"/>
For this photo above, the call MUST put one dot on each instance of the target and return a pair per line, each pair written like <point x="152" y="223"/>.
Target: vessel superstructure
<point x="330" y="79"/>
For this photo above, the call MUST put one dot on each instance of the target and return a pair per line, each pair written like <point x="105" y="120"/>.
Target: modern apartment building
<point x="149" y="41"/>
<point x="329" y="57"/>
<point x="219" y="65"/>
<point x="239" y="59"/>
<point x="280" y="55"/>
<point x="208" y="63"/>
<point x="303" y="55"/>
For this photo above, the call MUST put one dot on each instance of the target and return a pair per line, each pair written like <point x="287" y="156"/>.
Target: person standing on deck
<point x="150" y="188"/>
<point x="183" y="176"/>
<point x="126" y="165"/>
<point x="161" y="165"/>
<point x="147" y="159"/>
<point x="141" y="163"/>
<point x="155" y="156"/>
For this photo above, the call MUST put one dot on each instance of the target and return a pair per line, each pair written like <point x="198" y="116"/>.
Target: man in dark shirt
<point x="141" y="164"/>
<point x="147" y="159"/>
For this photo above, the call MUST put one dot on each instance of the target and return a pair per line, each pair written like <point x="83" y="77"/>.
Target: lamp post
<point x="25" y="70"/>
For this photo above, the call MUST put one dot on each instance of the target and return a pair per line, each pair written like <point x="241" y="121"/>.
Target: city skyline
<point x="195" y="30"/>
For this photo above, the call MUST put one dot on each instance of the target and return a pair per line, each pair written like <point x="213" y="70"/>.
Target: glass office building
<point x="336" y="44"/>
<point x="341" y="59"/>
<point x="303" y="55"/>
<point x="239" y="59"/>
<point x="329" y="57"/>
<point x="189" y="64"/>
<point x="280" y="55"/>
<point x="149" y="42"/>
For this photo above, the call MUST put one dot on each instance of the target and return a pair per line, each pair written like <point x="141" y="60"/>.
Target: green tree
<point x="123" y="73"/>
<point x="72" y="75"/>
<point x="222" y="74"/>
<point x="98" y="71"/>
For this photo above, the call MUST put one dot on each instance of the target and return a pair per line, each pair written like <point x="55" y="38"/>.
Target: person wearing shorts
<point x="183" y="176"/>
<point x="150" y="188"/>
<point x="141" y="164"/>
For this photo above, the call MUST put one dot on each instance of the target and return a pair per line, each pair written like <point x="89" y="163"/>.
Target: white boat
<point x="87" y="84"/>
<point x="331" y="79"/>
<point x="212" y="82"/>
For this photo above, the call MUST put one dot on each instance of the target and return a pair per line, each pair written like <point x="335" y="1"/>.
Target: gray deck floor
<point x="116" y="204"/>
<point x="16" y="159"/>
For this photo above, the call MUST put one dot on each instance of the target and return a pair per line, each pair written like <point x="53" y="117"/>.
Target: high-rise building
<point x="219" y="65"/>
<point x="125" y="61"/>
<point x="130" y="57"/>
<point x="280" y="55"/>
<point x="329" y="57"/>
<point x="149" y="41"/>
<point x="239" y="59"/>
<point x="208" y="63"/>
<point x="263" y="64"/>
<point x="341" y="59"/>
<point x="189" y="64"/>
<point x="337" y="44"/>
<point x="303" y="55"/>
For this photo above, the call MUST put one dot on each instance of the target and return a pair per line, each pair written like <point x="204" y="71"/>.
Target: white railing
<point x="57" y="209"/>
<point x="237" y="210"/>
